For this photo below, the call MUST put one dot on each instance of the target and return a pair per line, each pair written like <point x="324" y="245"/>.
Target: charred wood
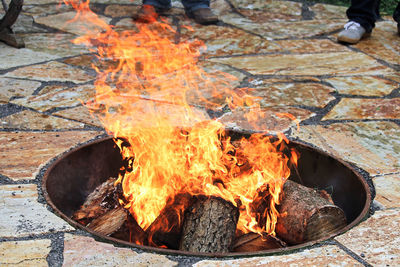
<point x="255" y="242"/>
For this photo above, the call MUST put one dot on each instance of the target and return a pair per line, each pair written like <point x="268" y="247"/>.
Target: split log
<point x="130" y="231"/>
<point x="97" y="202"/>
<point x="109" y="222"/>
<point x="209" y="226"/>
<point x="306" y="214"/>
<point x="255" y="242"/>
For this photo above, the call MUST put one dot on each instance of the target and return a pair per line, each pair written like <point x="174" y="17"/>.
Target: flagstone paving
<point x="346" y="99"/>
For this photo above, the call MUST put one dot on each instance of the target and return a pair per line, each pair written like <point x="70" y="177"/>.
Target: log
<point x="130" y="231"/>
<point x="97" y="203"/>
<point x="306" y="214"/>
<point x="255" y="242"/>
<point x="209" y="226"/>
<point x="166" y="229"/>
<point x="109" y="222"/>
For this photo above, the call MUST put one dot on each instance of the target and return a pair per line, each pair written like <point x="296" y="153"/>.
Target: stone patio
<point x="347" y="99"/>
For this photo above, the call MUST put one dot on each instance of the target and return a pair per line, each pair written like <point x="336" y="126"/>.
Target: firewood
<point x="130" y="231"/>
<point x="306" y="214"/>
<point x="96" y="203"/>
<point x="166" y="230"/>
<point x="109" y="222"/>
<point x="255" y="242"/>
<point x="209" y="226"/>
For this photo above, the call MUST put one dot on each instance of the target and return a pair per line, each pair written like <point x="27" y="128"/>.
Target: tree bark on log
<point x="209" y="226"/>
<point x="306" y="214"/>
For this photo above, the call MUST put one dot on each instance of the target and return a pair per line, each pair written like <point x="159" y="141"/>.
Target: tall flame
<point x="142" y="99"/>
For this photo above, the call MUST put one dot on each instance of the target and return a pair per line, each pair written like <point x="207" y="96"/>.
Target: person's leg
<point x="160" y="4"/>
<point x="200" y="11"/>
<point x="364" y="12"/>
<point x="396" y="17"/>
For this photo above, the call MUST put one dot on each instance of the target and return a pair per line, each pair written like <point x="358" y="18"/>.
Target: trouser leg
<point x="396" y="14"/>
<point x="164" y="4"/>
<point x="365" y="12"/>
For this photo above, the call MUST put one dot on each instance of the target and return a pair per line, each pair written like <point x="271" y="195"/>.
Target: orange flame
<point x="170" y="147"/>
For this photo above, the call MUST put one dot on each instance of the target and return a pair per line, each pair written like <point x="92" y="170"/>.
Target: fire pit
<point x="69" y="181"/>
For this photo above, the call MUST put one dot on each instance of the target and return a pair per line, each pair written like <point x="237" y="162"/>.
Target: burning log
<point x="307" y="214"/>
<point x="209" y="226"/>
<point x="167" y="228"/>
<point x="109" y="222"/>
<point x="97" y="203"/>
<point x="255" y="242"/>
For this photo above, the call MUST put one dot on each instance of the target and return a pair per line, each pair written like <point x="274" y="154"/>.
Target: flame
<point x="169" y="147"/>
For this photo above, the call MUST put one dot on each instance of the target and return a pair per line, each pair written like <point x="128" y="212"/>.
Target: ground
<point x="347" y="99"/>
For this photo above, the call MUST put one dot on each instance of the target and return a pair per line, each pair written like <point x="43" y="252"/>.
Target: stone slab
<point x="377" y="239"/>
<point x="322" y="256"/>
<point x="81" y="114"/>
<point x="341" y="63"/>
<point x="22" y="215"/>
<point x="11" y="88"/>
<point x="388" y="190"/>
<point x="31" y="253"/>
<point x="21" y="57"/>
<point x="23" y="153"/>
<point x="85" y="251"/>
<point x="29" y="120"/>
<point x="363" y="85"/>
<point x="361" y="109"/>
<point x="51" y="71"/>
<point x="57" y="96"/>
<point x="372" y="146"/>
<point x="64" y="22"/>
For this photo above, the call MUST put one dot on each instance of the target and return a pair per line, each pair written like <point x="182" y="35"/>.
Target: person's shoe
<point x="148" y="13"/>
<point x="203" y="16"/>
<point x="398" y="29"/>
<point x="353" y="32"/>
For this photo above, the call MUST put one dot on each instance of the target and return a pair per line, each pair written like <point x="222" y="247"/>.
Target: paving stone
<point x="21" y="57"/>
<point x="262" y="16"/>
<point x="25" y="24"/>
<point x="55" y="44"/>
<point x="292" y="94"/>
<point x="85" y="251"/>
<point x="35" y="10"/>
<point x="322" y="256"/>
<point x="388" y="190"/>
<point x="310" y="46"/>
<point x="358" y="109"/>
<point x="81" y="114"/>
<point x="22" y="215"/>
<point x="223" y="41"/>
<point x="220" y="7"/>
<point x="324" y="11"/>
<point x="29" y="120"/>
<point x="16" y="88"/>
<point x="40" y="2"/>
<point x="64" y="22"/>
<point x="384" y="43"/>
<point x="343" y="63"/>
<point x="57" y="96"/>
<point x="372" y="146"/>
<point x="23" y="153"/>
<point x="363" y="85"/>
<point x="84" y="61"/>
<point x="281" y="7"/>
<point x="283" y="29"/>
<point x="51" y="71"/>
<point x="30" y="253"/>
<point x="120" y="10"/>
<point x="272" y="120"/>
<point x="377" y="239"/>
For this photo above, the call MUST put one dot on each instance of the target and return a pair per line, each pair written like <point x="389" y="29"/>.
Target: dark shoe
<point x="398" y="29"/>
<point x="203" y="16"/>
<point x="149" y="13"/>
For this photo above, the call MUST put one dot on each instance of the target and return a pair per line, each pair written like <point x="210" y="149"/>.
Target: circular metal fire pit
<point x="71" y="178"/>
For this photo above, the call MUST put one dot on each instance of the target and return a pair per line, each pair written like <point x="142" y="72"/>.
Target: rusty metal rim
<point x="289" y="249"/>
